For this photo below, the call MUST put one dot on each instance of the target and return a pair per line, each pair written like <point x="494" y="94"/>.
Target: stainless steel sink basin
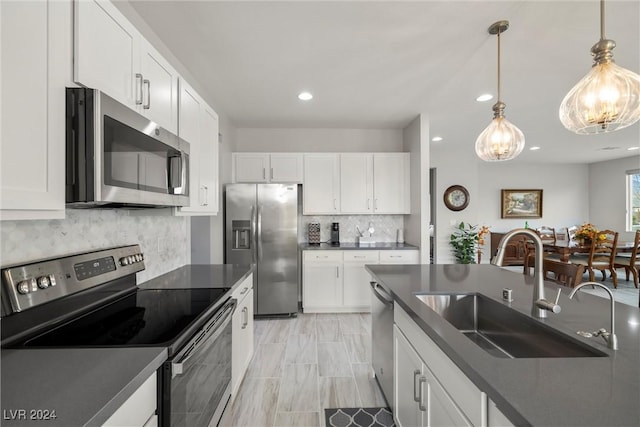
<point x="503" y="331"/>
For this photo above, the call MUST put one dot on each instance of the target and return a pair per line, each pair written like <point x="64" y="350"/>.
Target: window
<point x="633" y="200"/>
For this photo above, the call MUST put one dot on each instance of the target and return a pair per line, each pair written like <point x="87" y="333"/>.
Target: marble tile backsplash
<point x="385" y="226"/>
<point x="162" y="238"/>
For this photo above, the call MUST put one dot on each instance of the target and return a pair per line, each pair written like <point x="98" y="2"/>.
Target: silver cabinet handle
<point x="148" y="84"/>
<point x="375" y="204"/>
<point x="368" y="204"/>
<point x="245" y="315"/>
<point x="264" y="173"/>
<point x="416" y="397"/>
<point x="206" y="196"/>
<point x="338" y="272"/>
<point x="421" y="405"/>
<point x="138" y="89"/>
<point x="271" y="173"/>
<point x="244" y="291"/>
<point x="335" y="205"/>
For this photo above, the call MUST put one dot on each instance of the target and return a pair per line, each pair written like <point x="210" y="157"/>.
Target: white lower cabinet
<point x="242" y="333"/>
<point x="356" y="279"/>
<point x="337" y="281"/>
<point x="322" y="281"/>
<point x="139" y="409"/>
<point x="430" y="389"/>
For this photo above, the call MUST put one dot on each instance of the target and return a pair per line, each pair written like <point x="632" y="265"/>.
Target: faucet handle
<point x="558" y="296"/>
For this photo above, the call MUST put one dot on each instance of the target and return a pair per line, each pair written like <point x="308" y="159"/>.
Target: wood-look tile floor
<point x="303" y="365"/>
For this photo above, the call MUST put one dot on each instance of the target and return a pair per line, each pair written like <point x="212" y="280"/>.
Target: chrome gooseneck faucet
<point x="540" y="305"/>
<point x="609" y="337"/>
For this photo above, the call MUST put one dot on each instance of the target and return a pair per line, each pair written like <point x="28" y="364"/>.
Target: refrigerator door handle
<point x="253" y="235"/>
<point x="259" y="228"/>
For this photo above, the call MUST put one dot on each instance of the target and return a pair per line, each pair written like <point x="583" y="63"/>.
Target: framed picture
<point x="521" y="204"/>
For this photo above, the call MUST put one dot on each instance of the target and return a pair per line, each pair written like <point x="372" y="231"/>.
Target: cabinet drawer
<point x="361" y="256"/>
<point x="240" y="293"/>
<point x="399" y="257"/>
<point x="322" y="256"/>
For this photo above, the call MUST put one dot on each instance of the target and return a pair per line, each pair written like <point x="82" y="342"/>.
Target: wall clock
<point x="456" y="197"/>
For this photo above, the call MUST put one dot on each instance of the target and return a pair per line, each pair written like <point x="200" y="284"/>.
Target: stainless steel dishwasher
<point x="382" y="339"/>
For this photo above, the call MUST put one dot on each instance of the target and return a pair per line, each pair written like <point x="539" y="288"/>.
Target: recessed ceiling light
<point x="305" y="96"/>
<point x="633" y="148"/>
<point x="535" y="147"/>
<point x="484" y="97"/>
<point x="436" y="139"/>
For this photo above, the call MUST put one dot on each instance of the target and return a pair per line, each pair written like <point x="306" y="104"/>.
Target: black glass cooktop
<point x="146" y="317"/>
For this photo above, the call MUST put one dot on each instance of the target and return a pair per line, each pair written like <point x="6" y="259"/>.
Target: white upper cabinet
<point x="198" y="125"/>
<point x="36" y="65"/>
<point x="321" y="188"/>
<point x="251" y="167"/>
<point x="159" y="88"/>
<point x="106" y="51"/>
<point x="356" y="183"/>
<point x="112" y="56"/>
<point x="283" y="168"/>
<point x="391" y="183"/>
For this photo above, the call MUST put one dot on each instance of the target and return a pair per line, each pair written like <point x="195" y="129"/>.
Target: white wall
<point x="322" y="140"/>
<point x="565" y="194"/>
<point x="607" y="201"/>
<point x="416" y="225"/>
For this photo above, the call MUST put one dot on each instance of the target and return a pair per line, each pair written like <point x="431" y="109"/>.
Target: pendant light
<point x="607" y="98"/>
<point x="501" y="140"/>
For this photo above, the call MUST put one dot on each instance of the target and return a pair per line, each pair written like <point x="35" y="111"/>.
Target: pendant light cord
<point x="601" y="19"/>
<point x="499" y="97"/>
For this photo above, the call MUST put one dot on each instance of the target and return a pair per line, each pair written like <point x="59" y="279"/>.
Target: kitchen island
<point x="552" y="391"/>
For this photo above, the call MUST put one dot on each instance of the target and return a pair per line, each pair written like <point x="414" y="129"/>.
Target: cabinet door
<point x="356" y="183"/>
<point x="391" y="183"/>
<point x="285" y="168"/>
<point x="442" y="411"/>
<point x="189" y="129"/>
<point x="408" y="371"/>
<point x="36" y="63"/>
<point x="106" y="51"/>
<point x="242" y="331"/>
<point x="321" y="189"/>
<point x="251" y="167"/>
<point x="355" y="287"/>
<point x="322" y="285"/>
<point x="160" y="89"/>
<point x="209" y="163"/>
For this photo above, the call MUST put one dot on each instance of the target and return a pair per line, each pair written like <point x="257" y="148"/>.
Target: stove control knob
<point x="124" y="261"/>
<point x="24" y="287"/>
<point x="132" y="259"/>
<point x="44" y="282"/>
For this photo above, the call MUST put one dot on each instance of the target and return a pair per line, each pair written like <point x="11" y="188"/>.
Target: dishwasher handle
<point x="381" y="293"/>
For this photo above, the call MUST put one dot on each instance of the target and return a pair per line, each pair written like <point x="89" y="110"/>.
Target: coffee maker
<point x="335" y="234"/>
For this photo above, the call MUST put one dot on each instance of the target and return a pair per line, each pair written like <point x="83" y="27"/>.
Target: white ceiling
<point x="378" y="64"/>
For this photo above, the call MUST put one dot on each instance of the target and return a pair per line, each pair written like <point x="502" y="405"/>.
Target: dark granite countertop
<point x="355" y="246"/>
<point x="201" y="276"/>
<point x="594" y="391"/>
<point x="84" y="386"/>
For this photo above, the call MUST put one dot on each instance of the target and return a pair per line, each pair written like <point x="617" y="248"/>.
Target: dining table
<point x="567" y="247"/>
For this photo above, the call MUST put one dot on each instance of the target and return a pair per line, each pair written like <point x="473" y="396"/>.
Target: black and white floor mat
<point x="359" y="417"/>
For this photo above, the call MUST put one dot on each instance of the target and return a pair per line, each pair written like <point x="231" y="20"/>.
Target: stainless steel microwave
<point x="116" y="157"/>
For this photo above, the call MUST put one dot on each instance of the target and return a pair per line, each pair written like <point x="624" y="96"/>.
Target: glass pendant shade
<point x="605" y="100"/>
<point x="500" y="141"/>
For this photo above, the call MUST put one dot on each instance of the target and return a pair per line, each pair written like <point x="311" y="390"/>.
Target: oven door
<point x="196" y="382"/>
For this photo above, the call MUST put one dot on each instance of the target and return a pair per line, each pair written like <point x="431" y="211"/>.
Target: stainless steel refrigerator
<point x="261" y="227"/>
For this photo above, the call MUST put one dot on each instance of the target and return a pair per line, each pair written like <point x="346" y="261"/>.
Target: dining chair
<point x="631" y="264"/>
<point x="562" y="234"/>
<point x="564" y="273"/>
<point x="547" y="234"/>
<point x="601" y="256"/>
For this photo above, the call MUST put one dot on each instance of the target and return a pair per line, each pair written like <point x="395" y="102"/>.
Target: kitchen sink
<point x="502" y="331"/>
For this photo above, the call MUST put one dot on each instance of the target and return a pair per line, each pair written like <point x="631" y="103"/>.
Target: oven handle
<point x="211" y="331"/>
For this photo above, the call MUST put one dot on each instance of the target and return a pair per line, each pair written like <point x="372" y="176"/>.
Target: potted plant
<point x="465" y="241"/>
